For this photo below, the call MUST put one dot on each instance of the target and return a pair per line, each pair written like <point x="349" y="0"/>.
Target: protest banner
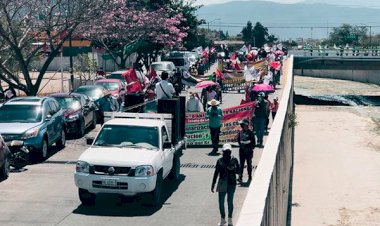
<point x="235" y="80"/>
<point x="198" y="132"/>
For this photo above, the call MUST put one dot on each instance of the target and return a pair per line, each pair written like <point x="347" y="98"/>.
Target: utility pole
<point x="71" y="64"/>
<point x="208" y="23"/>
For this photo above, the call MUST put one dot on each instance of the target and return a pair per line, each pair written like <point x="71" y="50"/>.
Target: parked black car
<point x="102" y="99"/>
<point x="4" y="159"/>
<point x="79" y="112"/>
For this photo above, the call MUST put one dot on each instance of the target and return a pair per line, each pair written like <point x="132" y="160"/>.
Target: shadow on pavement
<point x="117" y="205"/>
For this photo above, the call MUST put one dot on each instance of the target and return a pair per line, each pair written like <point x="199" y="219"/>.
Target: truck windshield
<point x="162" y="67"/>
<point x="128" y="136"/>
<point x="177" y="61"/>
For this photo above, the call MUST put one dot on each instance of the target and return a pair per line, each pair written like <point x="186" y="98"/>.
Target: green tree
<point x="247" y="33"/>
<point x="272" y="38"/>
<point x="260" y="34"/>
<point x="189" y="12"/>
<point x="347" y="34"/>
<point x="26" y="22"/>
<point x="257" y="35"/>
<point x="85" y="67"/>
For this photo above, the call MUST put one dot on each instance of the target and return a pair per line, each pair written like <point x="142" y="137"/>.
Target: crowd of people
<point x="248" y="138"/>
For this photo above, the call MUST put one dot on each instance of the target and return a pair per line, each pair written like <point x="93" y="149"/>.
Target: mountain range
<point x="299" y="20"/>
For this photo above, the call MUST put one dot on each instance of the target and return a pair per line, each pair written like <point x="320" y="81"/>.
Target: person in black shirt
<point x="226" y="168"/>
<point x="260" y="117"/>
<point x="247" y="143"/>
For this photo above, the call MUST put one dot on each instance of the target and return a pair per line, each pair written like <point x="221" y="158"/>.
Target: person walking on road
<point x="260" y="117"/>
<point x="269" y="103"/>
<point x="193" y="104"/>
<point x="204" y="99"/>
<point x="247" y="143"/>
<point x="274" y="107"/>
<point x="214" y="114"/>
<point x="226" y="169"/>
<point x="210" y="94"/>
<point x="164" y="89"/>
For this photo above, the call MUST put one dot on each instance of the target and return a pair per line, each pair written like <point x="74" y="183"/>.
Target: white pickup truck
<point x="131" y="154"/>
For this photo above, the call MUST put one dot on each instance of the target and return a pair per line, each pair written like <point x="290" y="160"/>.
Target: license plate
<point x="109" y="182"/>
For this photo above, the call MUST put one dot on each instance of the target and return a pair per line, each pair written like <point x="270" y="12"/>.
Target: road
<point x="45" y="193"/>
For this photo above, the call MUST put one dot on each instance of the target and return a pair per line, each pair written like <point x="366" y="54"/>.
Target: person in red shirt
<point x="274" y="107"/>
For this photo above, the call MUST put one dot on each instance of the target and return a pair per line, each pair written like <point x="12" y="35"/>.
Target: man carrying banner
<point x="214" y="115"/>
<point x="247" y="143"/>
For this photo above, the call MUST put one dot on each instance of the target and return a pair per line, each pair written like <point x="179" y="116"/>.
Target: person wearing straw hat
<point x="247" y="143"/>
<point x="226" y="169"/>
<point x="214" y="114"/>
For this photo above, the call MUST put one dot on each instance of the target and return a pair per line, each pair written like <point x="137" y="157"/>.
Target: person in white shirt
<point x="164" y="89"/>
<point x="193" y="104"/>
<point x="210" y="93"/>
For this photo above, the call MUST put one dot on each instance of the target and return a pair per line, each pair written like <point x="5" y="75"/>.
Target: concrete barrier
<point x="365" y="76"/>
<point x="268" y="201"/>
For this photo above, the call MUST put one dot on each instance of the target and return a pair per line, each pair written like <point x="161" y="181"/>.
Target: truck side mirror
<point x="167" y="145"/>
<point x="48" y="117"/>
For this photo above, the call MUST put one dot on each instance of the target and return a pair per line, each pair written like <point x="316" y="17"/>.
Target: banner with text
<point x="198" y="132"/>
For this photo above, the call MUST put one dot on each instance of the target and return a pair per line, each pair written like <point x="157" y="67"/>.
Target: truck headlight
<point x="73" y="117"/>
<point x="30" y="133"/>
<point x="82" y="167"/>
<point x="143" y="171"/>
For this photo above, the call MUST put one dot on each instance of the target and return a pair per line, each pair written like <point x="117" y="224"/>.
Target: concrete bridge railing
<point x="269" y="197"/>
<point x="358" y="69"/>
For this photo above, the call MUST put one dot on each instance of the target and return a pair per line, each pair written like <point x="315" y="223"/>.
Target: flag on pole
<point x="199" y="50"/>
<point x="219" y="74"/>
<point x="237" y="66"/>
<point x="205" y="52"/>
<point x="152" y="73"/>
<point x="233" y="57"/>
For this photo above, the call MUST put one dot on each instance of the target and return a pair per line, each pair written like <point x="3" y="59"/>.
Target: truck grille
<point x="10" y="137"/>
<point x="120" y="185"/>
<point x="105" y="170"/>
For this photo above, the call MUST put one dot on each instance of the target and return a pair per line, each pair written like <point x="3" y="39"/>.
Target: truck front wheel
<point x="86" y="197"/>
<point x="157" y="192"/>
<point x="175" y="171"/>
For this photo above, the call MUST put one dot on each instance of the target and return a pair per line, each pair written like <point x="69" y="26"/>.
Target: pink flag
<point x="233" y="57"/>
<point x="237" y="66"/>
<point x="152" y="73"/>
<point x="219" y="74"/>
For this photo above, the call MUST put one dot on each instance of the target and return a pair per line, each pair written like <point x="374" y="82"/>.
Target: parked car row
<point x="30" y="126"/>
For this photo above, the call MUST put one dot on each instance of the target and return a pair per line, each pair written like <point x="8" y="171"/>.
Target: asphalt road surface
<point x="45" y="193"/>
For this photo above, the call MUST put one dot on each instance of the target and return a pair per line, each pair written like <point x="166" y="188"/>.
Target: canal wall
<point x="268" y="201"/>
<point x="358" y="69"/>
<point x="365" y="76"/>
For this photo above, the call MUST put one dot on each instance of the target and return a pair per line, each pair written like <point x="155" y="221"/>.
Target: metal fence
<point x="268" y="201"/>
